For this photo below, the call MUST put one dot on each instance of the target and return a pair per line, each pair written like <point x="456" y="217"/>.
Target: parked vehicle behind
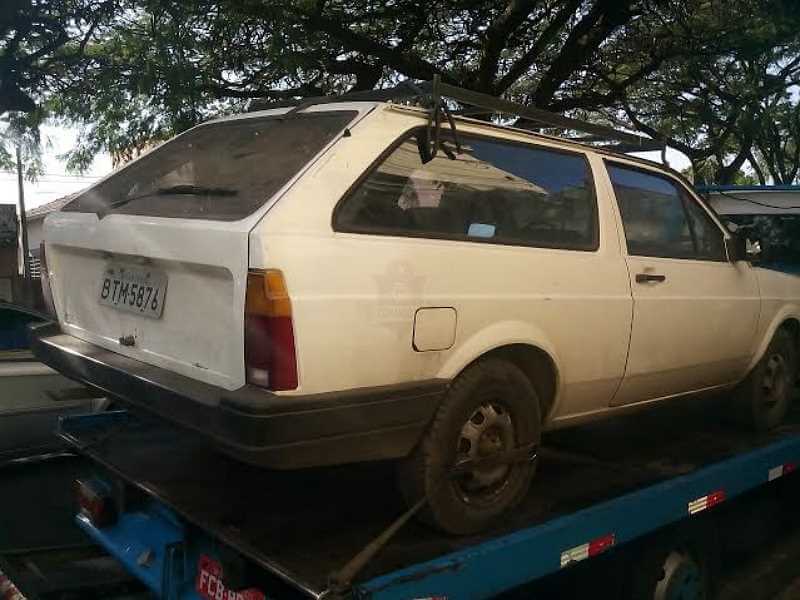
<point x="318" y="287"/>
<point x="32" y="395"/>
<point x="769" y="215"/>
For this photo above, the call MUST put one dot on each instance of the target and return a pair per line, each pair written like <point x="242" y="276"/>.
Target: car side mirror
<point x="753" y="251"/>
<point x="740" y="247"/>
<point x="736" y="245"/>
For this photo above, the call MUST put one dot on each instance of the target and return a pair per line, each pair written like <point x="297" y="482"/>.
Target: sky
<point x="57" y="182"/>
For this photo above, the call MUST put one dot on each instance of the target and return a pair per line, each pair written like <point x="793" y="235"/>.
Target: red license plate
<point x="210" y="586"/>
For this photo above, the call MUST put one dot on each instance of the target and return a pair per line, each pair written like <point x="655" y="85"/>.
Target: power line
<point x="756" y="202"/>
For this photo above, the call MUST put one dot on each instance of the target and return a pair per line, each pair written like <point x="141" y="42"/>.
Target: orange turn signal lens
<point x="267" y="294"/>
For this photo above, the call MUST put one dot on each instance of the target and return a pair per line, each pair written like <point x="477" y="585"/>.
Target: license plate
<point x="135" y="289"/>
<point x="210" y="586"/>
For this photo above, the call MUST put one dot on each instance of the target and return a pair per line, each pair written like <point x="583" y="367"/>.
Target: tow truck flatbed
<point x="598" y="487"/>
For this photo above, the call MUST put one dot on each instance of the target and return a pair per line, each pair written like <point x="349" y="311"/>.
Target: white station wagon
<point x="345" y="282"/>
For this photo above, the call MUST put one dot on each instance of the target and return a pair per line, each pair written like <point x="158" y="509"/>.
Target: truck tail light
<point x="95" y="502"/>
<point x="47" y="292"/>
<point x="269" y="351"/>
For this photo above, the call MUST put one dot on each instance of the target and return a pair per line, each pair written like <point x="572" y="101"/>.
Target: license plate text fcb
<point x="135" y="289"/>
<point x="210" y="586"/>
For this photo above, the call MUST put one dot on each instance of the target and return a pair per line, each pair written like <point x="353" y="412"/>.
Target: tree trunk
<point x="23" y="221"/>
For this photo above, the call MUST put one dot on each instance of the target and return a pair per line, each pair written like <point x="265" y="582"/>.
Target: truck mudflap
<point x="193" y="524"/>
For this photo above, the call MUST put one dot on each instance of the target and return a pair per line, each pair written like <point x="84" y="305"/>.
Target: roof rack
<point x="432" y="93"/>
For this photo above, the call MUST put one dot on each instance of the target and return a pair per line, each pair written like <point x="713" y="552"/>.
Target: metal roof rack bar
<point x="404" y="90"/>
<point x="474" y="103"/>
<point x="548" y="119"/>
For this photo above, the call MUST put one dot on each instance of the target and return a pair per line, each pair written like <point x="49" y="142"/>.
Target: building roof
<point x="40" y="212"/>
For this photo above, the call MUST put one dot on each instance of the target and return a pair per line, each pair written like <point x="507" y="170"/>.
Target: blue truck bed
<point x="193" y="523"/>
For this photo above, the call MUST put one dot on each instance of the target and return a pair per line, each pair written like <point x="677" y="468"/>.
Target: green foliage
<point x="709" y="77"/>
<point x="21" y="131"/>
<point x="716" y="106"/>
<point x="39" y="39"/>
<point x="707" y="171"/>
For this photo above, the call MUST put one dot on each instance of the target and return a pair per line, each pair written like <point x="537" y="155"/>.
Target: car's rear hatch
<point x="152" y="262"/>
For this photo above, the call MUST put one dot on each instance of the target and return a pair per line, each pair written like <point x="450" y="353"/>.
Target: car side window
<point x="492" y="192"/>
<point x="660" y="219"/>
<point x="708" y="238"/>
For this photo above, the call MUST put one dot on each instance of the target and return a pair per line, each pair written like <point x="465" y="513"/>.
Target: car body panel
<point x="375" y="284"/>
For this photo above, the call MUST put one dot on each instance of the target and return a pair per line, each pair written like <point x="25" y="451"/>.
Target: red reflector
<point x="705" y="502"/>
<point x="601" y="544"/>
<point x="270" y="352"/>
<point x="95" y="503"/>
<point x="283" y="373"/>
<point x="788" y="468"/>
<point x="715" y="498"/>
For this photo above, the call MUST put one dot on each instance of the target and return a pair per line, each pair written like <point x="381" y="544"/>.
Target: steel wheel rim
<point x="489" y="430"/>
<point x="682" y="580"/>
<point x="774" y="381"/>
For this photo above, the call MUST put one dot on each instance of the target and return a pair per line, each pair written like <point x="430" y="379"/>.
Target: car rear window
<point x="220" y="171"/>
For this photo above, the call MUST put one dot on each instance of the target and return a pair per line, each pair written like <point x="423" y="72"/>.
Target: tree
<point x="776" y="151"/>
<point x="715" y="107"/>
<point x="167" y="65"/>
<point x="37" y="39"/>
<point x="709" y="170"/>
<point x="695" y="73"/>
<point x="20" y="132"/>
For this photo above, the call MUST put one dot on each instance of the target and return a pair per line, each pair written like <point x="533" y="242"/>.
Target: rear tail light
<point x="269" y="350"/>
<point x="44" y="275"/>
<point x="95" y="502"/>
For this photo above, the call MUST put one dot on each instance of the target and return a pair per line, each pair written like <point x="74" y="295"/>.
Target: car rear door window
<point x="661" y="219"/>
<point x="493" y="191"/>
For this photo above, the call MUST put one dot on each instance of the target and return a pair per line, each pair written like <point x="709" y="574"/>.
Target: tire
<point x="492" y="406"/>
<point x="680" y="563"/>
<point x="762" y="400"/>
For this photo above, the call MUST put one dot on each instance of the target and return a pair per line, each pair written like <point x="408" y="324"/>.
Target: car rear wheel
<point x="763" y="398"/>
<point x="491" y="409"/>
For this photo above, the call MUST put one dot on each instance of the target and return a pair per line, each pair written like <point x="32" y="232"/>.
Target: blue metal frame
<point x="145" y="542"/>
<point x="524" y="556"/>
<point x="503" y="563"/>
<point x="748" y="188"/>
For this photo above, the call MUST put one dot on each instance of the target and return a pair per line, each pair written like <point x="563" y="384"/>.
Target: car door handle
<point x="648" y="277"/>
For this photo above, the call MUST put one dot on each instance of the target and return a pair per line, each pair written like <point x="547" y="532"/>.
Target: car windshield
<point x="220" y="171"/>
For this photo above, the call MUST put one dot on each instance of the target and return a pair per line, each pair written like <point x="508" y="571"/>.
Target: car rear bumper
<point x="252" y="424"/>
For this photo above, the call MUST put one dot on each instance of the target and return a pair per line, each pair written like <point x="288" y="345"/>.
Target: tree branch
<point x="584" y="39"/>
<point x="525" y="62"/>
<point x="406" y="63"/>
<point x="496" y="37"/>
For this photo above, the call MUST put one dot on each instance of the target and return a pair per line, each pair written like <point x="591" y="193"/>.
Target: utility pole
<point x="23" y="222"/>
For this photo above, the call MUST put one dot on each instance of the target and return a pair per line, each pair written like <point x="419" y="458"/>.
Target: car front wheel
<point x="763" y="398"/>
<point x="491" y="410"/>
